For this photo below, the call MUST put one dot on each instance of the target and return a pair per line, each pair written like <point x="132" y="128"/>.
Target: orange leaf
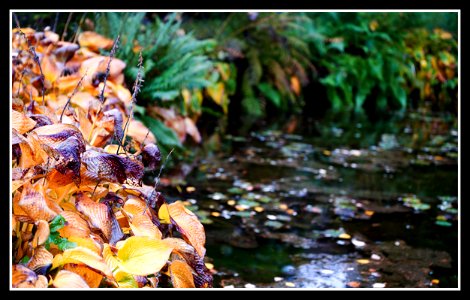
<point x="22" y="277"/>
<point x="41" y="260"/>
<point x="181" y="274"/>
<point x="191" y="228"/>
<point x="75" y="226"/>
<point x="42" y="233"/>
<point x="92" y="278"/>
<point x="142" y="225"/>
<point x="138" y="132"/>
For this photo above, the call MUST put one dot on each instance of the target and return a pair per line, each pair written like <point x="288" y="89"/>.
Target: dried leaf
<point x="181" y="274"/>
<point x="42" y="282"/>
<point x="192" y="130"/>
<point x="21" y="123"/>
<point x="189" y="226"/>
<point x="67" y="279"/>
<point x="97" y="214"/>
<point x="151" y="156"/>
<point x="141" y="255"/>
<point x="81" y="255"/>
<point x="75" y="226"/>
<point x="86" y="242"/>
<point x="36" y="206"/>
<point x="137" y="131"/>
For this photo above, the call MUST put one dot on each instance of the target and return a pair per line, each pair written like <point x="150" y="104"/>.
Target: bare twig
<point x="21" y="83"/>
<point x="73" y="94"/>
<point x="32" y="50"/>
<point x="55" y="22"/>
<point x="108" y="68"/>
<point x="135" y="90"/>
<point x="77" y="32"/>
<point x="66" y="25"/>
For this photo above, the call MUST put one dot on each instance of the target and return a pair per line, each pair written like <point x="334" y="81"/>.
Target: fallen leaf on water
<point x="344" y="236"/>
<point x="290" y="284"/>
<point x="362" y="261"/>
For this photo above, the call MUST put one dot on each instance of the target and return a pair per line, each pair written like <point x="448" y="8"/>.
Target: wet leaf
<point x="191" y="228"/>
<point x="181" y="274"/>
<point x="67" y="279"/>
<point x="141" y="255"/>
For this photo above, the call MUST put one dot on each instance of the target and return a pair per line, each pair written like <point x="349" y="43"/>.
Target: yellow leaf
<point x="21" y="122"/>
<point x="94" y="41"/>
<point x="164" y="214"/>
<point x="191" y="228"/>
<point x="141" y="255"/>
<point x="109" y="257"/>
<point x="67" y="279"/>
<point x="86" y="242"/>
<point x="82" y="255"/>
<point x="181" y="274"/>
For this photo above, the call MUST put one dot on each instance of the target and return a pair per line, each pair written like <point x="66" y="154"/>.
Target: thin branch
<point x="108" y="68"/>
<point x="32" y="50"/>
<point x="135" y="90"/>
<point x="55" y="22"/>
<point x="73" y="94"/>
<point x="78" y="28"/>
<point x="66" y="25"/>
<point x="21" y="83"/>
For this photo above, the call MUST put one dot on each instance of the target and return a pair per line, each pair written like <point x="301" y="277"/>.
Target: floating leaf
<point x="189" y="225"/>
<point x="141" y="255"/>
<point x="181" y="274"/>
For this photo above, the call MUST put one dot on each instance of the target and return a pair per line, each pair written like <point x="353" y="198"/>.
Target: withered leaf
<point x="110" y="167"/>
<point x="35" y="204"/>
<point x="42" y="233"/>
<point x="74" y="226"/>
<point x="22" y="277"/>
<point x="151" y="156"/>
<point x="189" y="226"/>
<point x="21" y="123"/>
<point x="92" y="278"/>
<point x="97" y="214"/>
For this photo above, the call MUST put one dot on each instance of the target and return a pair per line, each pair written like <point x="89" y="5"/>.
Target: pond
<point x="340" y="202"/>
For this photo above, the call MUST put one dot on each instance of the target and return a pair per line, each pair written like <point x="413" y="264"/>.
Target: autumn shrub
<point x="82" y="218"/>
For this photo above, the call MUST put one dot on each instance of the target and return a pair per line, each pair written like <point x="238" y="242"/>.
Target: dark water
<point x="343" y="202"/>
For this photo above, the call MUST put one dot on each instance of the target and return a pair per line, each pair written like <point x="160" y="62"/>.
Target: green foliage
<point x="54" y="237"/>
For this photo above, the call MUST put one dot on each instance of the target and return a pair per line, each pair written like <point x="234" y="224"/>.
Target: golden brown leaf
<point x="42" y="282"/>
<point x="21" y="122"/>
<point x="86" y="242"/>
<point x="67" y="279"/>
<point x="75" y="226"/>
<point x="191" y="228"/>
<point x="181" y="274"/>
<point x="138" y="132"/>
<point x="142" y="225"/>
